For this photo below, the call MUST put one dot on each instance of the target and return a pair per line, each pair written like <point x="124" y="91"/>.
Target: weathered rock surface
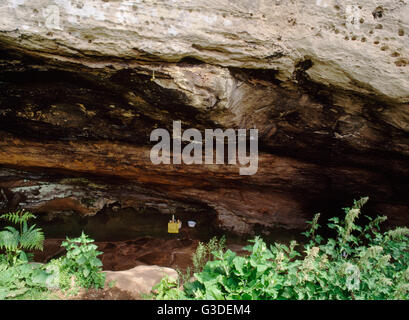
<point x="267" y="34"/>
<point x="125" y="255"/>
<point x="330" y="101"/>
<point x="141" y="279"/>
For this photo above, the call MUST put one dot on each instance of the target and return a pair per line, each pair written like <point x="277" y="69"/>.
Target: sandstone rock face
<point x="139" y="280"/>
<point x="267" y="34"/>
<point x="84" y="83"/>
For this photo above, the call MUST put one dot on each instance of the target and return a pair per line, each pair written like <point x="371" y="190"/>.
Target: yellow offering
<point x="174" y="226"/>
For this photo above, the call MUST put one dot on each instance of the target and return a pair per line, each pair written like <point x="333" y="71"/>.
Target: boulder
<point x="139" y="280"/>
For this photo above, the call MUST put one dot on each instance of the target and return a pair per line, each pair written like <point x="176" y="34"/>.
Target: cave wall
<point x="78" y="104"/>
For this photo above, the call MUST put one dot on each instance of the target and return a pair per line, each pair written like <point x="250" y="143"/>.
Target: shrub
<point x="359" y="263"/>
<point x="82" y="261"/>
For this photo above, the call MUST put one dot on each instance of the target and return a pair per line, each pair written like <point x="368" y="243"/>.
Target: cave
<point x="78" y="105"/>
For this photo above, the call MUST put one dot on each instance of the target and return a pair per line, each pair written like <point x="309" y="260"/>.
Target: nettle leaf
<point x="239" y="264"/>
<point x="81" y="260"/>
<point x="205" y="277"/>
<point x="96" y="262"/>
<point x="230" y="284"/>
<point x="86" y="272"/>
<point x="213" y="293"/>
<point x="261" y="268"/>
<point x="214" y="265"/>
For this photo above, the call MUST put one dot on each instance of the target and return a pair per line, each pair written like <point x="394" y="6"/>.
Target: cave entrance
<point x="129" y="237"/>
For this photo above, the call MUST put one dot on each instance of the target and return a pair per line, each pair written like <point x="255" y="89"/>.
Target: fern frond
<point x="33" y="238"/>
<point x="20" y="216"/>
<point x="11" y="217"/>
<point x="26" y="216"/>
<point x="9" y="239"/>
<point x="11" y="229"/>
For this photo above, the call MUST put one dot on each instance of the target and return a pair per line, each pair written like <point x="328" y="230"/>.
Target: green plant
<point x="168" y="289"/>
<point x="359" y="263"/>
<point x="204" y="252"/>
<point x="64" y="280"/>
<point x="111" y="284"/>
<point x="25" y="281"/>
<point x="82" y="262"/>
<point x="184" y="277"/>
<point x="20" y="279"/>
<point x="15" y="241"/>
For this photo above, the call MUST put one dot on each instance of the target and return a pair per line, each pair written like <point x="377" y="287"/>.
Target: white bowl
<point x="191" y="224"/>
